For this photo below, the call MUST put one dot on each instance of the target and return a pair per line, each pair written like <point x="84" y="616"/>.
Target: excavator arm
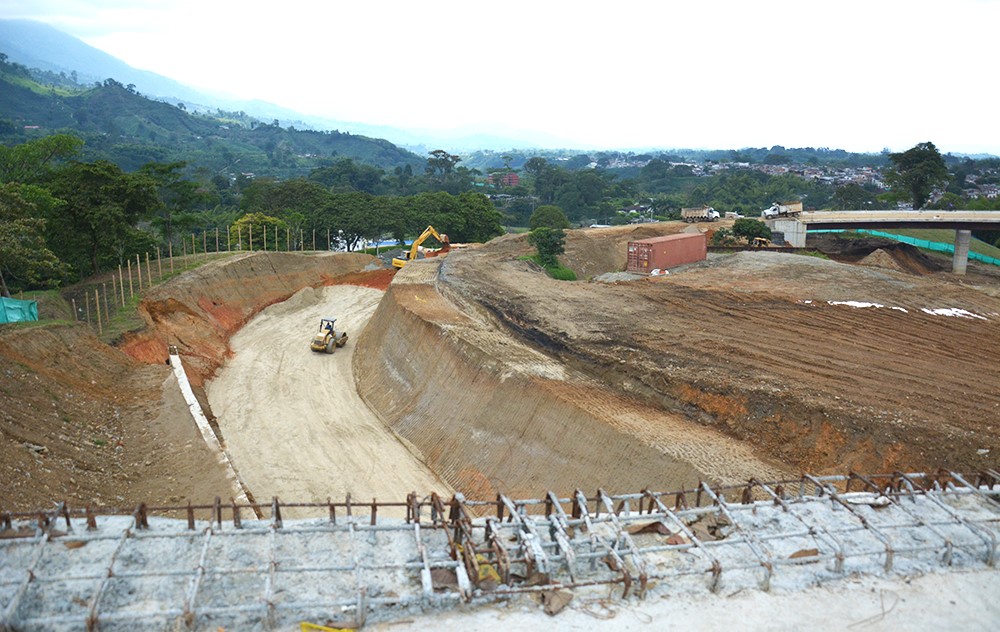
<point x="415" y="247"/>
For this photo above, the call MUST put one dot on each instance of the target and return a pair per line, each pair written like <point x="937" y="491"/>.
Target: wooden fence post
<point x="149" y="271"/>
<point x="97" y="304"/>
<point x="314" y="239"/>
<point x="73" y="301"/>
<point x="131" y="293"/>
<point x="107" y="312"/>
<point x="86" y="301"/>
<point x="121" y="283"/>
<point x="138" y="270"/>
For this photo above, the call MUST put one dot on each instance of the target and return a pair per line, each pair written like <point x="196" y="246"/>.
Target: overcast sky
<point x="860" y="75"/>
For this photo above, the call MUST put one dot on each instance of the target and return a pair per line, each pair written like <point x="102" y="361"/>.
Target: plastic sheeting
<point x="15" y="311"/>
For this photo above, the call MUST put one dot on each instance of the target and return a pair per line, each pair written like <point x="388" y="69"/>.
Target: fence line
<point x="120" y="296"/>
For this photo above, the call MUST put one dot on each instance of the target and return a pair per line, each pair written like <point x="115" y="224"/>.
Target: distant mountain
<point x="38" y="45"/>
<point x="119" y="124"/>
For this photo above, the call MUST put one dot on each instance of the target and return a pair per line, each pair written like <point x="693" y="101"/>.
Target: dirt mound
<point x="594" y="251"/>
<point x="881" y="259"/>
<point x="905" y="258"/>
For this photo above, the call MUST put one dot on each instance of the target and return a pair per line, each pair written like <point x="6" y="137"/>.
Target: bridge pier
<point x="960" y="260"/>
<point x="794" y="230"/>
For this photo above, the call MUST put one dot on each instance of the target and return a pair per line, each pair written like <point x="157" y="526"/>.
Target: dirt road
<point x="291" y="419"/>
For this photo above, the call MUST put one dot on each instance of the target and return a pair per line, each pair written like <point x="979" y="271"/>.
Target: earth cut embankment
<point x="491" y="414"/>
<point x="200" y="310"/>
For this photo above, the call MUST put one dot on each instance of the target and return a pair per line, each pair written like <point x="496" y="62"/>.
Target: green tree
<point x="917" y="171"/>
<point x="102" y="206"/>
<point x="25" y="259"/>
<point x="358" y="216"/>
<point x="247" y="233"/>
<point x="548" y="216"/>
<point x="549" y="242"/>
<point x="535" y="166"/>
<point x="749" y="228"/>
<point x="853" y="197"/>
<point x="177" y="194"/>
<point x="29" y="161"/>
<point x="441" y="163"/>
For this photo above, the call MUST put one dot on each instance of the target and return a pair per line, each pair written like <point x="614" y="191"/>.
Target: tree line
<point x="62" y="219"/>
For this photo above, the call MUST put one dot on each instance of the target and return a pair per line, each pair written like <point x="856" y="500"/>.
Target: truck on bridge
<point x="784" y="209"/>
<point x="700" y="214"/>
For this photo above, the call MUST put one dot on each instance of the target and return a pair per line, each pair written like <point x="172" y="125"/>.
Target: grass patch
<point x="558" y="271"/>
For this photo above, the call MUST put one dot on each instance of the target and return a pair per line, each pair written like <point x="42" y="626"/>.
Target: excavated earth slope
<point x="493" y="413"/>
<point x="509" y="380"/>
<point x="84" y="422"/>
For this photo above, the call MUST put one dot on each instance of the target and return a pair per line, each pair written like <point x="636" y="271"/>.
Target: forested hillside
<point x="120" y="125"/>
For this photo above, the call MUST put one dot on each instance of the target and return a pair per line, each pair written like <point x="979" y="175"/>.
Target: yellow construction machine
<point x="760" y="242"/>
<point x="415" y="248"/>
<point x="328" y="338"/>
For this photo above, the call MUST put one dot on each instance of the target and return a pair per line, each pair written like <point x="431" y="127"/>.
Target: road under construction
<point x="419" y="457"/>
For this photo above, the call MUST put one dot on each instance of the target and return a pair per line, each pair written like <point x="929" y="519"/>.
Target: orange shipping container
<point x="670" y="251"/>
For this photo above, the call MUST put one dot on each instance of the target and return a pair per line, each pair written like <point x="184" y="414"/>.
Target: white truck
<point x="700" y="214"/>
<point x="784" y="209"/>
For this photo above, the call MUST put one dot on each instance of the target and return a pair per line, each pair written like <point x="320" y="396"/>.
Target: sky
<point x="861" y="75"/>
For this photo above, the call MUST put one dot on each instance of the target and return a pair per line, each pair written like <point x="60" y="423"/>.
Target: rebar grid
<point x="73" y="569"/>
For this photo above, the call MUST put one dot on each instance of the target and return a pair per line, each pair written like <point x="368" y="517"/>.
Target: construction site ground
<point x="294" y="406"/>
<point x="479" y="373"/>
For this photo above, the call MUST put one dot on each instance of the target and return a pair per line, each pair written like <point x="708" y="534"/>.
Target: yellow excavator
<point x="415" y="248"/>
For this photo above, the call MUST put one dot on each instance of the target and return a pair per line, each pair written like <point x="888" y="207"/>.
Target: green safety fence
<point x="15" y="311"/>
<point x="919" y="243"/>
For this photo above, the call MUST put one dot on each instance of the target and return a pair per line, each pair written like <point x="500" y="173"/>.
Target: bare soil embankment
<point x="508" y="380"/>
<point x="199" y="311"/>
<point x="493" y="411"/>
<point x="82" y="422"/>
<point x="767" y="348"/>
<point x="94" y="424"/>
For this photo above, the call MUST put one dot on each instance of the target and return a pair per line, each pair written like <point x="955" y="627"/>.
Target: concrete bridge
<point x="962" y="222"/>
